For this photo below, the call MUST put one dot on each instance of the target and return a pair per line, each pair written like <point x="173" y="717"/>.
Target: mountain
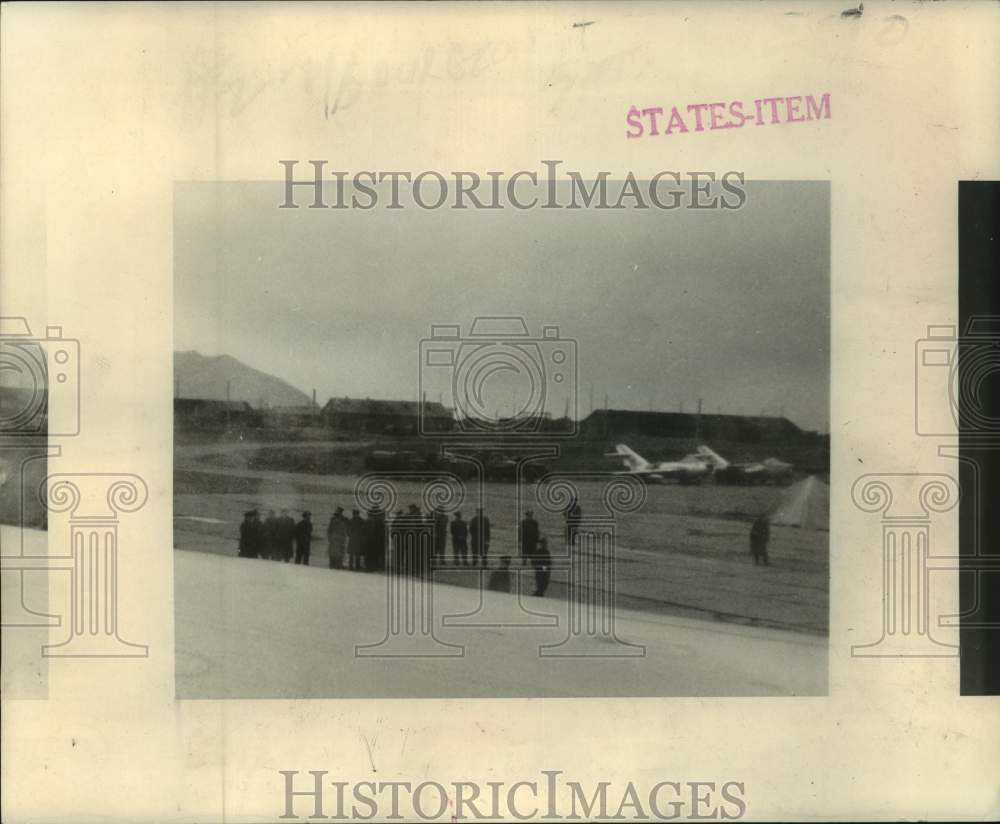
<point x="203" y="376"/>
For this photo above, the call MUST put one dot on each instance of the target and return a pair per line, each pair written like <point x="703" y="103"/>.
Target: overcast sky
<point x="665" y="306"/>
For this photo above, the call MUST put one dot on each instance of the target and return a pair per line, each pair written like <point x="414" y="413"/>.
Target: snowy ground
<point x="258" y="629"/>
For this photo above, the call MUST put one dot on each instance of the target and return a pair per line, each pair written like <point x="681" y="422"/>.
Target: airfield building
<point x="619" y="423"/>
<point x="290" y="417"/>
<point x="204" y="414"/>
<point x="366" y="416"/>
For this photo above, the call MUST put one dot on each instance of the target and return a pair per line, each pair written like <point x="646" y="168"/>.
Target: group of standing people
<point x="356" y="542"/>
<point x="277" y="537"/>
<point x="360" y="543"/>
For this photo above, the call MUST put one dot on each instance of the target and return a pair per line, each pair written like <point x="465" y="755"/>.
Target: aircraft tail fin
<point x="632" y="459"/>
<point x="713" y="457"/>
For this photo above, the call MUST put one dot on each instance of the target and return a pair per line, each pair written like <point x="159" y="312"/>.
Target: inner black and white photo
<point x="500" y="452"/>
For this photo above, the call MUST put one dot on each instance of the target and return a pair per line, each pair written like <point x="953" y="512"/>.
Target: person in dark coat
<point x="355" y="540"/>
<point x="429" y="552"/>
<point x="396" y="550"/>
<point x="541" y="560"/>
<point x="393" y="560"/>
<point x="427" y="555"/>
<point x="528" y="537"/>
<point x="336" y="538"/>
<point x="500" y="578"/>
<point x="440" y="535"/>
<point x="460" y="540"/>
<point x="375" y="540"/>
<point x="479" y="532"/>
<point x="286" y="536"/>
<point x="270" y="537"/>
<point x="247" y="545"/>
<point x="760" y="534"/>
<point x="257" y="536"/>
<point x="413" y="554"/>
<point x="573" y="516"/>
<point x="303" y="539"/>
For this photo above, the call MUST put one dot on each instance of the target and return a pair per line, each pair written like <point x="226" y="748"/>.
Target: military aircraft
<point x="768" y="471"/>
<point x="691" y="469"/>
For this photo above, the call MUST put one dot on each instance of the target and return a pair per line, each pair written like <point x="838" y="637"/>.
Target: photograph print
<point x="559" y="441"/>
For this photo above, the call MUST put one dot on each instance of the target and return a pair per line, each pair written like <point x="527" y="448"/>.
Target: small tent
<point x="805" y="504"/>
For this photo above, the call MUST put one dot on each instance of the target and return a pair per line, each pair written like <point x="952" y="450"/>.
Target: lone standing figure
<point x="760" y="534"/>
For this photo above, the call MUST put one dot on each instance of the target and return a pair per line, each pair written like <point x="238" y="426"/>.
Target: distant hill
<point x="202" y="376"/>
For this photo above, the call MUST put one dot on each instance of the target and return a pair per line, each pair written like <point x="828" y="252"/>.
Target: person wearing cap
<point x="412" y="558"/>
<point x="460" y="540"/>
<point x="760" y="534"/>
<point x="257" y="536"/>
<point x="479" y="532"/>
<point x="573" y="516"/>
<point x="269" y="535"/>
<point x="541" y="560"/>
<point x="528" y="537"/>
<point x="336" y="538"/>
<point x="286" y="536"/>
<point x="440" y="535"/>
<point x="303" y="538"/>
<point x="355" y="540"/>
<point x="375" y="539"/>
<point x="393" y="559"/>
<point x="247" y="548"/>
